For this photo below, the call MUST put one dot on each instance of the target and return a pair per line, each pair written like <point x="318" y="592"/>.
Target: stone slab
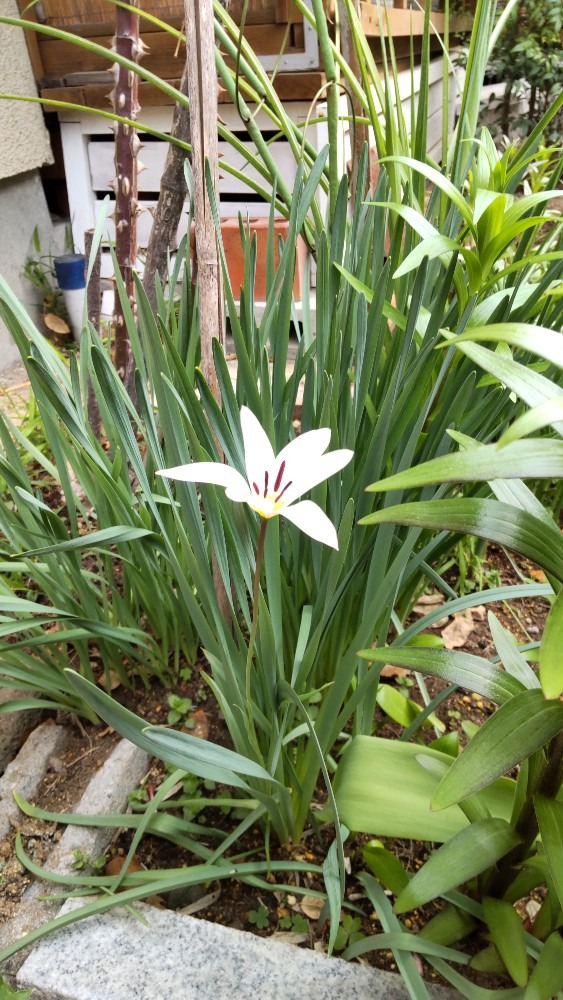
<point x="116" y="957"/>
<point x="14" y="724"/>
<point x="106" y="793"/>
<point x="25" y="772"/>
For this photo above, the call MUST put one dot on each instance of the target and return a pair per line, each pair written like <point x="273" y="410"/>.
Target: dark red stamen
<point x="279" y="477"/>
<point x="255" y="488"/>
<point x="266" y="477"/>
<point x="280" y="495"/>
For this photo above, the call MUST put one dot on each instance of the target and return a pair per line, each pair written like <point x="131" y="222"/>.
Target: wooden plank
<point x="61" y="57"/>
<point x="397" y="22"/>
<point x="288" y="86"/>
<point x="66" y="13"/>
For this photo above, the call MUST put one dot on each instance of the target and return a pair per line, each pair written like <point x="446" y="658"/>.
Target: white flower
<point x="273" y="483"/>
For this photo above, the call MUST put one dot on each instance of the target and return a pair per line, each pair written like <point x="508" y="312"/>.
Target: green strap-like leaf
<point x="508" y="936"/>
<point x="546" y="343"/>
<point x="540" y="458"/>
<point x="467" y="854"/>
<point x="134" y="729"/>
<point x="498" y="522"/>
<point x="468" y="671"/>
<point x="547" y="976"/>
<point x="551" y="658"/>
<point x="516" y="730"/>
<point x="549" y="814"/>
<point x="106" y="536"/>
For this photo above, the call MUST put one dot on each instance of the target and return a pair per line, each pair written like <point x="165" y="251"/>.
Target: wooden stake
<point x="125" y="101"/>
<point x="202" y="89"/>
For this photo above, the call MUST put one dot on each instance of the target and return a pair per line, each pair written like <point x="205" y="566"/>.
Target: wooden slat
<point x="60" y="57"/>
<point x="288" y="86"/>
<point x="65" y="13"/>
<point x="406" y="22"/>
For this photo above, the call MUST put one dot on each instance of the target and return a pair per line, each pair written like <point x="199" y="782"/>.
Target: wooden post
<point x="202" y="89"/>
<point x="171" y="199"/>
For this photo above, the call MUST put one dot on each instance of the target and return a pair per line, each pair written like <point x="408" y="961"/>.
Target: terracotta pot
<point x="230" y="233"/>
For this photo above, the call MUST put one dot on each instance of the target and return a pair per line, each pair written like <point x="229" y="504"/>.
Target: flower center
<point x="273" y="497"/>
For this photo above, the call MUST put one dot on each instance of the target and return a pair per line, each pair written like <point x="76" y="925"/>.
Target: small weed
<point x="179" y="710"/>
<point x="7" y="993"/>
<point x="348" y="932"/>
<point x="82" y="861"/>
<point x="295" y="922"/>
<point x="260" y="918"/>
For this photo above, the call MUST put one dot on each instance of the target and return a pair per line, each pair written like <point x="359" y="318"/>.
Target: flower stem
<point x="254" y="626"/>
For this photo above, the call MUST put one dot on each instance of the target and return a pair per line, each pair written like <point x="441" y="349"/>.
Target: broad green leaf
<point x="547" y="976"/>
<point x="539" y="340"/>
<point x="507" y="933"/>
<point x="549" y="814"/>
<point x="517" y="729"/>
<point x="490" y="519"/>
<point x="551" y="657"/>
<point x="540" y="458"/>
<point x="528" y="384"/>
<point x="402" y="710"/>
<point x="385" y="866"/>
<point x="448" y="926"/>
<point x="380" y="788"/>
<point x="465" y="855"/>
<point x="464" y="669"/>
<point x="545" y="415"/>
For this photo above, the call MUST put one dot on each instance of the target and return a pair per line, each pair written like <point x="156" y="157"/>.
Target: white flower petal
<point x="309" y="517"/>
<point x="259" y="455"/>
<point x="316" y="472"/>
<point x="209" y="472"/>
<point x="305" y="448"/>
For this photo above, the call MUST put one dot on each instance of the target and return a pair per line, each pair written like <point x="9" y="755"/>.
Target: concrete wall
<point x="25" y="147"/>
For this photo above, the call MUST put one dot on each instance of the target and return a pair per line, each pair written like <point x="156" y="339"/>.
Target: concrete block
<point x="13" y="725"/>
<point x="116" y="957"/>
<point x="106" y="793"/>
<point x="25" y="773"/>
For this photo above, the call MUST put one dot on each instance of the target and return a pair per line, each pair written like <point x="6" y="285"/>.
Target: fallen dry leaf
<point x="200" y="726"/>
<point x="458" y="631"/>
<point x="289" y="937"/>
<point x="539" y="575"/>
<point x="312" y="907"/>
<point x="114" y="866"/>
<point x="431" y="599"/>
<point x="390" y="671"/>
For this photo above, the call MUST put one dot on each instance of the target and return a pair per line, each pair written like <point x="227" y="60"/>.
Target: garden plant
<point x="412" y="433"/>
